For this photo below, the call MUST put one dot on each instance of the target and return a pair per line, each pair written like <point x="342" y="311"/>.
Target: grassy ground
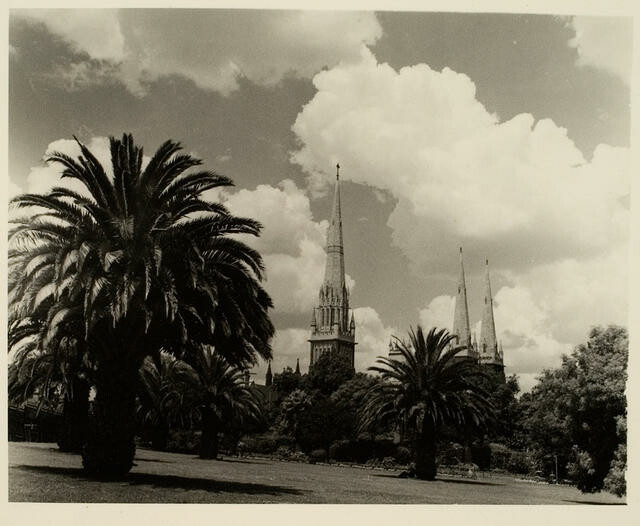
<point x="40" y="473"/>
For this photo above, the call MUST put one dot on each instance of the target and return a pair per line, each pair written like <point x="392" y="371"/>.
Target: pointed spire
<point x="461" y="315"/>
<point x="269" y="377"/>
<point x="488" y="340"/>
<point x="334" y="270"/>
<point x="313" y="317"/>
<point x="298" y="366"/>
<point x="352" y="325"/>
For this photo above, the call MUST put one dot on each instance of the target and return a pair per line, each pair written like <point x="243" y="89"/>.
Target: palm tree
<point x="150" y="264"/>
<point x="46" y="363"/>
<point x="216" y="392"/>
<point x="428" y="386"/>
<point x="159" y="397"/>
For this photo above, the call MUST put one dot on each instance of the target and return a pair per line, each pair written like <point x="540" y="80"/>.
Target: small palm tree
<point x="427" y="386"/>
<point x="218" y="396"/>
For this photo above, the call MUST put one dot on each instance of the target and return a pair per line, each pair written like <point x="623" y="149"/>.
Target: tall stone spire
<point x="488" y="348"/>
<point x="461" y="315"/>
<point x="334" y="269"/>
<point x="331" y="328"/>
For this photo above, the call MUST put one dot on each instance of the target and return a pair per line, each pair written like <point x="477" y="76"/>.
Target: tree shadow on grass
<point x="174" y="482"/>
<point x="446" y="481"/>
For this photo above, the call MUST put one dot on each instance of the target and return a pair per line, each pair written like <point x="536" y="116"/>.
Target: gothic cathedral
<point x="332" y="325"/>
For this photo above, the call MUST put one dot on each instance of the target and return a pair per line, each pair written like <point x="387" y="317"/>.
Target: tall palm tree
<point x="216" y="392"/>
<point x="427" y="386"/>
<point x="150" y="264"/>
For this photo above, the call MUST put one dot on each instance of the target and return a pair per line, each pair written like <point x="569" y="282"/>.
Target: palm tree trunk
<point x="75" y="417"/>
<point x="426" y="453"/>
<point x="110" y="446"/>
<point x="209" y="442"/>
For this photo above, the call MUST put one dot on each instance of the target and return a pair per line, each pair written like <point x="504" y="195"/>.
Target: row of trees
<point x="139" y="289"/>
<point x="137" y="264"/>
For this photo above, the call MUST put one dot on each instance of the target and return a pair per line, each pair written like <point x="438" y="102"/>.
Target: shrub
<point x="615" y="480"/>
<point x="451" y="455"/>
<point x="183" y="441"/>
<point x="342" y="450"/>
<point x="318" y="455"/>
<point x="266" y="444"/>
<point x="388" y="463"/>
<point x="284" y="453"/>
<point x="403" y="455"/>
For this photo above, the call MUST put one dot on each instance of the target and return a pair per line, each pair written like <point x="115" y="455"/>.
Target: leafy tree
<point x="347" y="401"/>
<point x="573" y="412"/>
<point x="287" y="381"/>
<point x="146" y="263"/>
<point x="329" y="372"/>
<point x="430" y="385"/>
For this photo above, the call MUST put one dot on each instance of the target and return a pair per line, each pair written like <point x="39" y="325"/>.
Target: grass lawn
<point x="40" y="473"/>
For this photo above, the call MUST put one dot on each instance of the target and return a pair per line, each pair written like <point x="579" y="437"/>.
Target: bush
<point x="266" y="444"/>
<point x="403" y="455"/>
<point x="318" y="455"/>
<point x="615" y="480"/>
<point x="451" y="455"/>
<point x="342" y="450"/>
<point x="388" y="463"/>
<point x="183" y="441"/>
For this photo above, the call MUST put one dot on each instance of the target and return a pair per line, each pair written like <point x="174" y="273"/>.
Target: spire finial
<point x="486" y="261"/>
<point x="338" y="171"/>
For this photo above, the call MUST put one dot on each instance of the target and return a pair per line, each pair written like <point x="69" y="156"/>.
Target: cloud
<point x="42" y="179"/>
<point x="96" y="32"/>
<point x="372" y="337"/>
<point x="292" y="243"/>
<point x="598" y="44"/>
<point x="554" y="224"/>
<point x="458" y="174"/>
<point x="211" y="47"/>
<point x="439" y="313"/>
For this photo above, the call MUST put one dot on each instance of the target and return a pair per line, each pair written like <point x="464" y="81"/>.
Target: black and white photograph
<point x="319" y="255"/>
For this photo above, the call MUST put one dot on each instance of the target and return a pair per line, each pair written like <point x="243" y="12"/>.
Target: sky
<point x="506" y="134"/>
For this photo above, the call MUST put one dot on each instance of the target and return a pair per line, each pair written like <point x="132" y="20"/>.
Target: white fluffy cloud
<point x="292" y="243"/>
<point x="42" y="179"/>
<point x="518" y="191"/>
<point x="459" y="175"/>
<point x="597" y="42"/>
<point x="373" y="337"/>
<point x="211" y="47"/>
<point x="439" y="313"/>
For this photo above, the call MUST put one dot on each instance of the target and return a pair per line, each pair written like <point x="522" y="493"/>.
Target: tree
<point x="149" y="264"/>
<point x="217" y="393"/>
<point x="575" y="411"/>
<point x="48" y="365"/>
<point x="429" y="386"/>
<point x="287" y="381"/>
<point x="329" y="372"/>
<point x="160" y="397"/>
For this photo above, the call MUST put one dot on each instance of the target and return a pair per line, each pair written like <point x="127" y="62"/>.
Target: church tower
<point x="488" y="349"/>
<point x="461" y="327"/>
<point x="331" y="327"/>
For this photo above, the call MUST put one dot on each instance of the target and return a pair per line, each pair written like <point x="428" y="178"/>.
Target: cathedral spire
<point x="461" y="315"/>
<point x="488" y="341"/>
<point x="298" y="366"/>
<point x="332" y="329"/>
<point x="334" y="270"/>
<point x="269" y="376"/>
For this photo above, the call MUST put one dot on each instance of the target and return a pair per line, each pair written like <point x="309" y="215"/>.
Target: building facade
<point x="332" y="323"/>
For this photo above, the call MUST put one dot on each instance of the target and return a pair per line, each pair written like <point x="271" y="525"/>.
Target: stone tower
<point x="489" y="354"/>
<point x="461" y="327"/>
<point x="331" y="327"/>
